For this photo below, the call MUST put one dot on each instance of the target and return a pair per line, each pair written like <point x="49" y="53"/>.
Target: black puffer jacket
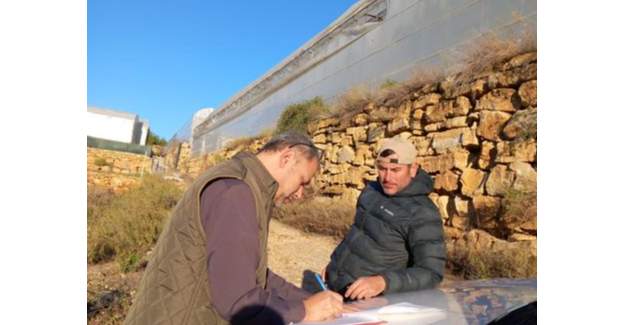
<point x="399" y="237"/>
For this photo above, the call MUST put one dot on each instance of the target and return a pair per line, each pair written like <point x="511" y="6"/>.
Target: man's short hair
<point x="405" y="150"/>
<point x="386" y="152"/>
<point x="293" y="140"/>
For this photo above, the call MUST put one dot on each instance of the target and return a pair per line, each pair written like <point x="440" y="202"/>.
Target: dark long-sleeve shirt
<point x="229" y="221"/>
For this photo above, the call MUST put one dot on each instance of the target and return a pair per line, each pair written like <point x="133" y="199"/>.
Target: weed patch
<point x="518" y="207"/>
<point x="101" y="162"/>
<point x="124" y="227"/>
<point x="352" y="101"/>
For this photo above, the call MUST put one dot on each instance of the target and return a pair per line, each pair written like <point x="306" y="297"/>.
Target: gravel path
<point x="291" y="251"/>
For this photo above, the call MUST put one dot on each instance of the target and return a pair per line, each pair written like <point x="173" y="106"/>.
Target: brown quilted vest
<point x="174" y="288"/>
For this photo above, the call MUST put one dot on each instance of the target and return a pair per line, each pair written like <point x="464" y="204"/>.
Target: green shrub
<point x="296" y="117"/>
<point x="154" y="139"/>
<point x="124" y="227"/>
<point x="101" y="162"/>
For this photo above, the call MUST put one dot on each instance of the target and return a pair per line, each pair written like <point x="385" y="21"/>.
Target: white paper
<point x="404" y="311"/>
<point x="406" y="308"/>
<point x="350" y="319"/>
<point x="400" y="312"/>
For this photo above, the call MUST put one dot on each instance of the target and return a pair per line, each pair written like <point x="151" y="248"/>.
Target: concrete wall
<point x="356" y="49"/>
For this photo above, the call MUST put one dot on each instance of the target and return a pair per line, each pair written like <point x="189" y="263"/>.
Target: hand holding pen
<point x="320" y="282"/>
<point x="325" y="305"/>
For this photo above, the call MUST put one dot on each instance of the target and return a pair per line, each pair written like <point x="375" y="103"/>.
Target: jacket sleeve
<point x="426" y="245"/>
<point x="285" y="289"/>
<point x="229" y="220"/>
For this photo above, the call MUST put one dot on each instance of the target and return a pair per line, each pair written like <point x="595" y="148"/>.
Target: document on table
<point x="399" y="312"/>
<point x="353" y="319"/>
<point x="407" y="311"/>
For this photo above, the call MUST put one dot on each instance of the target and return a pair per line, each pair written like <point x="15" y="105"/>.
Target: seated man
<point x="396" y="242"/>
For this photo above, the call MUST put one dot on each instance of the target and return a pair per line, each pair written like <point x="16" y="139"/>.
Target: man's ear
<point x="286" y="155"/>
<point x="414" y="168"/>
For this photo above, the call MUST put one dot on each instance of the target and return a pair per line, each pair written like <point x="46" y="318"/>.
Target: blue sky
<point x="164" y="60"/>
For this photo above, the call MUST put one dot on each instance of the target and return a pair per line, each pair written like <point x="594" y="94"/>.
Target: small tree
<point x="154" y="139"/>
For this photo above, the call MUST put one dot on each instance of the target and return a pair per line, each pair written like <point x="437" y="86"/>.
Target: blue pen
<point x="320" y="282"/>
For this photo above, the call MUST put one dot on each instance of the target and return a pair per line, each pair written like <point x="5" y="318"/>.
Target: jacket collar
<point x="421" y="184"/>
<point x="268" y="185"/>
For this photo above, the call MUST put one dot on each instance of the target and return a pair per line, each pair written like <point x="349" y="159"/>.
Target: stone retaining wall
<point x="115" y="170"/>
<point x="476" y="137"/>
<point x="475" y="134"/>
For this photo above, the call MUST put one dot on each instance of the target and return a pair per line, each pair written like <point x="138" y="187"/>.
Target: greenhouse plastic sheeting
<point x="374" y="41"/>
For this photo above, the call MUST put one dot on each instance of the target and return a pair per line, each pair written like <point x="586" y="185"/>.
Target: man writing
<point x="209" y="265"/>
<point x="396" y="242"/>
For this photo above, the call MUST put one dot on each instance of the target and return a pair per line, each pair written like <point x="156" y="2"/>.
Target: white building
<point x="117" y="126"/>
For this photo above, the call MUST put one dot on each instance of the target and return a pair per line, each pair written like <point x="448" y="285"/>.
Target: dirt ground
<point x="291" y="251"/>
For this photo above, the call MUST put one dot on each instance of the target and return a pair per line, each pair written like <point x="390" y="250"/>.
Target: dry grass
<point x="488" y="50"/>
<point x="318" y="215"/>
<point x="484" y="264"/>
<point x="425" y="79"/>
<point x="529" y="128"/>
<point x="392" y="96"/>
<point x="388" y="83"/>
<point x="124" y="227"/>
<point x="352" y="101"/>
<point x="422" y="80"/>
<point x="239" y="143"/>
<point x="481" y="55"/>
<point x="266" y="133"/>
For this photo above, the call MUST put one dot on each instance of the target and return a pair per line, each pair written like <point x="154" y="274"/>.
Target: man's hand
<point x="366" y="287"/>
<point x="324" y="305"/>
<point x="368" y="303"/>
